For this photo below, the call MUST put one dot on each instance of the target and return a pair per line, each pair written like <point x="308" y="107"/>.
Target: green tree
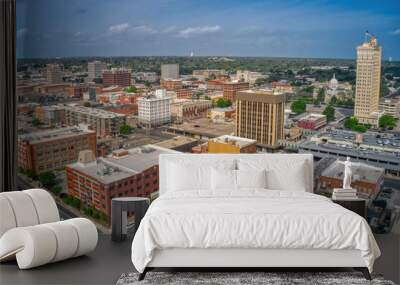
<point x="56" y="190"/>
<point x="47" y="178"/>
<point x="88" y="211"/>
<point x="36" y="122"/>
<point x="76" y="203"/>
<point x="321" y="95"/>
<point x="360" y="128"/>
<point x="31" y="174"/>
<point x="329" y="112"/>
<point x="125" y="129"/>
<point x="298" y="106"/>
<point x="222" y="103"/>
<point x="350" y="123"/>
<point x="68" y="200"/>
<point x="131" y="89"/>
<point x="334" y="100"/>
<point x="387" y="122"/>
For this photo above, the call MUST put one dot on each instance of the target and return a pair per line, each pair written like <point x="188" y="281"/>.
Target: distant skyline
<point x="313" y="29"/>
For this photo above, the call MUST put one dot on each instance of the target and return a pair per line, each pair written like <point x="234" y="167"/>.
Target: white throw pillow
<point x="282" y="174"/>
<point x="251" y="178"/>
<point x="186" y="176"/>
<point x="181" y="177"/>
<point x="223" y="179"/>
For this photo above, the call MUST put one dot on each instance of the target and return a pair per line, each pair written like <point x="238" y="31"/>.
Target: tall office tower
<point x="117" y="76"/>
<point x="169" y="71"/>
<point x="368" y="82"/>
<point x="54" y="73"/>
<point x="260" y="116"/>
<point x="95" y="69"/>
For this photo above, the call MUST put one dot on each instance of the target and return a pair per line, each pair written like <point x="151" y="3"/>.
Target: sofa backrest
<point x="26" y="208"/>
<point x="208" y="160"/>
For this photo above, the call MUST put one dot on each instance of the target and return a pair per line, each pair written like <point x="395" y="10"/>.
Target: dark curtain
<point x="8" y="142"/>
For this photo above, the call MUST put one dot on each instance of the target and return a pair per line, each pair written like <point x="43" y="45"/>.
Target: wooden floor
<point x="110" y="260"/>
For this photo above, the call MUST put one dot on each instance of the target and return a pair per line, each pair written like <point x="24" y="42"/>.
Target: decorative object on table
<point x="348" y="173"/>
<point x="357" y="205"/>
<point x="344" y="194"/>
<point x="120" y="207"/>
<point x="243" y="278"/>
<point x="31" y="231"/>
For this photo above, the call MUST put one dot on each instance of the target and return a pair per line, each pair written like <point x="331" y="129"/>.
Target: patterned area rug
<point x="242" y="278"/>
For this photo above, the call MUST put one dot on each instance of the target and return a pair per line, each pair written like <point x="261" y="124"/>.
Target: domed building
<point x="340" y="91"/>
<point x="333" y="83"/>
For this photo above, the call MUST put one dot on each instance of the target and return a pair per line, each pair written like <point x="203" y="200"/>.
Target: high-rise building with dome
<point x="368" y="82"/>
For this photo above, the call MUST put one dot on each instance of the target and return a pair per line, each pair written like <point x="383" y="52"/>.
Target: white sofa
<point x="31" y="231"/>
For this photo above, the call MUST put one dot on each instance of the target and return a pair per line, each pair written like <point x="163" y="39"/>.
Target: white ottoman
<point x="37" y="245"/>
<point x="32" y="233"/>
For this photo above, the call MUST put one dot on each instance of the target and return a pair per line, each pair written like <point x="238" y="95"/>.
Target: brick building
<point x="215" y="85"/>
<point x="312" y="122"/>
<point x="231" y="88"/>
<point x="53" y="115"/>
<point x="184" y="93"/>
<point x="171" y="84"/>
<point x="103" y="122"/>
<point x="367" y="179"/>
<point x="187" y="108"/>
<point x="117" y="76"/>
<point x="77" y="91"/>
<point x="53" y="149"/>
<point x="124" y="173"/>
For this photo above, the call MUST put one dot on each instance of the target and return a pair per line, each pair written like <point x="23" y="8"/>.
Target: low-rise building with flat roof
<point x="366" y="179"/>
<point x="105" y="123"/>
<point x="390" y="106"/>
<point x="53" y="115"/>
<point x="171" y="84"/>
<point x="189" y="108"/>
<point x="53" y="149"/>
<point x="231" y="144"/>
<point x="312" y="121"/>
<point x="379" y="150"/>
<point x="231" y="89"/>
<point x="179" y="143"/>
<point x="124" y="173"/>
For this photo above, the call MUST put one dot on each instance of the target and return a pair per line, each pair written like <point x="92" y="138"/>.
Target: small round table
<point x="119" y="215"/>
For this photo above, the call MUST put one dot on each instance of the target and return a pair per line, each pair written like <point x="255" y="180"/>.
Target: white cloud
<point x="22" y="32"/>
<point x="169" y="29"/>
<point x="185" y="33"/>
<point x="396" y="32"/>
<point x="144" y="29"/>
<point x="120" y="28"/>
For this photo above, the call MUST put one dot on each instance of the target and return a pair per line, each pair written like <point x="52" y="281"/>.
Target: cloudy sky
<point x="324" y="28"/>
